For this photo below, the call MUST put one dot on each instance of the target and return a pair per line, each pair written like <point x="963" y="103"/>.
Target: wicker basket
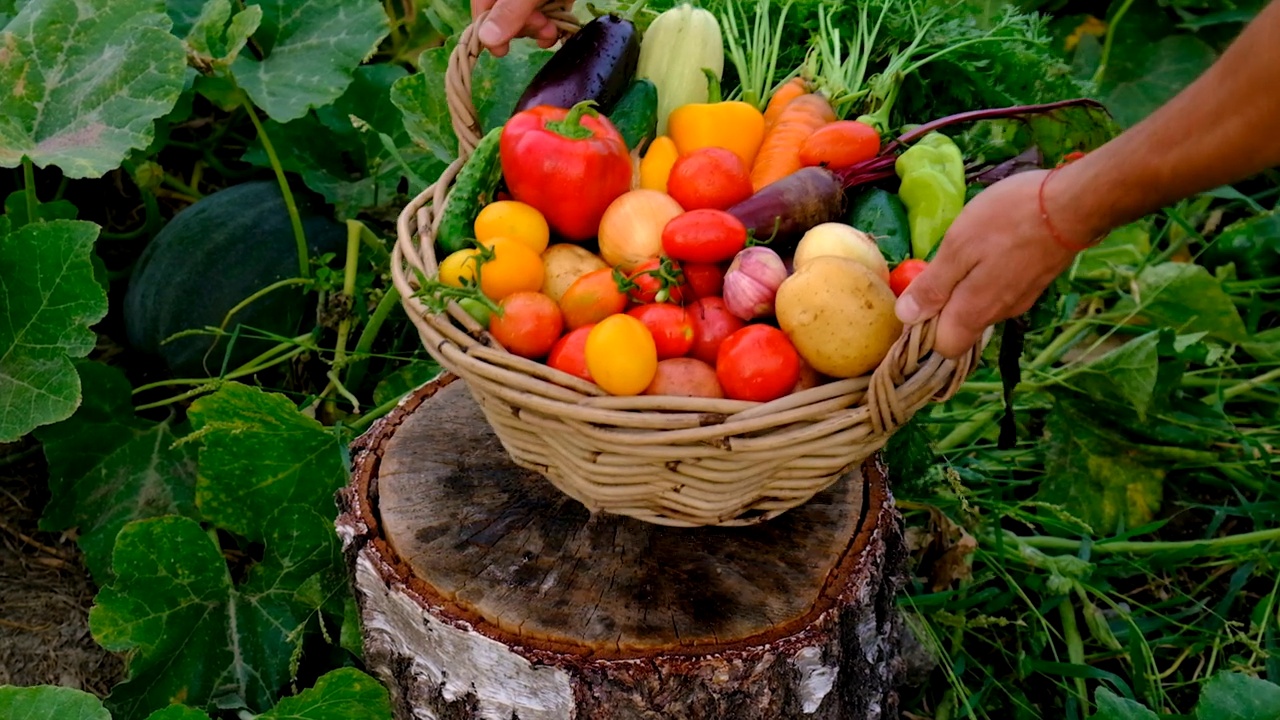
<point x="673" y="461"/>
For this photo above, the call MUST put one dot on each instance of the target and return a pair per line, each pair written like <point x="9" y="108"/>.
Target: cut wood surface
<point x="486" y="592"/>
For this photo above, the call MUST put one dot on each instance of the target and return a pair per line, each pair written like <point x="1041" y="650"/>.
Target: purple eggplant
<point x="596" y="63"/>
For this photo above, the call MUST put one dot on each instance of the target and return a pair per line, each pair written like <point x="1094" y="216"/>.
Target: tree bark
<point x="486" y="593"/>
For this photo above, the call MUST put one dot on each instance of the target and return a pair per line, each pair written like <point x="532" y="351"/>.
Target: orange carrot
<point x="779" y="153"/>
<point x="792" y="89"/>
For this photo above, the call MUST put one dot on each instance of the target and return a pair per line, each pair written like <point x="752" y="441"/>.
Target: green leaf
<point x="1114" y="707"/>
<point x="1252" y="244"/>
<point x="85" y="79"/>
<point x="1264" y="346"/>
<point x="1142" y="76"/>
<point x="342" y="694"/>
<point x="1236" y="696"/>
<point x="497" y="86"/>
<point x="339" y="150"/>
<point x="259" y="453"/>
<point x="178" y="712"/>
<point x="1125" y="247"/>
<point x="1095" y="475"/>
<point x="184" y="14"/>
<point x="404" y="381"/>
<point x="216" y="41"/>
<point x="312" y="47"/>
<point x="1186" y="298"/>
<point x="50" y="702"/>
<point x="1127" y="373"/>
<point x="15" y="208"/>
<point x="188" y="632"/>
<point x="108" y="467"/>
<point x="49" y="306"/>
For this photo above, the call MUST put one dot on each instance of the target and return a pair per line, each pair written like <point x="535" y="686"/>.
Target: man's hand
<point x="996" y="259"/>
<point x="509" y="19"/>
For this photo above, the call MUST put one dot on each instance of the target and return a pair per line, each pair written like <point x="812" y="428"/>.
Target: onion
<point x="631" y="228"/>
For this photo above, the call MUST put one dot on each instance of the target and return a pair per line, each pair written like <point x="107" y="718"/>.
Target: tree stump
<point x="484" y="592"/>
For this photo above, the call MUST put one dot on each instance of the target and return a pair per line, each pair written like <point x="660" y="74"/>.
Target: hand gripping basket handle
<point x="462" y="64"/>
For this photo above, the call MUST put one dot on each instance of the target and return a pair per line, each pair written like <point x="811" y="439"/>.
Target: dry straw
<point x="673" y="461"/>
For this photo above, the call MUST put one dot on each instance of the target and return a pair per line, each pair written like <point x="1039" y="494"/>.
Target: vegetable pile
<point x="631" y="226"/>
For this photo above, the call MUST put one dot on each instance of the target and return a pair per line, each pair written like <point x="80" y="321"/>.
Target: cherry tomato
<point x="621" y="355"/>
<point x="568" y="354"/>
<point x="670" y="326"/>
<point x="904" y="274"/>
<point x="757" y="363"/>
<point x="703" y="236"/>
<point x="710" y="177"/>
<point x="592" y="298"/>
<point x="702" y="280"/>
<point x="655" y="275"/>
<point x="459" y="268"/>
<point x="840" y="144"/>
<point x="529" y="324"/>
<point x="514" y="267"/>
<point x="712" y="323"/>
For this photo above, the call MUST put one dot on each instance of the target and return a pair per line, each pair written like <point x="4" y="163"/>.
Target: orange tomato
<point x="513" y="268"/>
<point x="621" y="355"/>
<point x="529" y="324"/>
<point x="840" y="144"/>
<point x="591" y="298"/>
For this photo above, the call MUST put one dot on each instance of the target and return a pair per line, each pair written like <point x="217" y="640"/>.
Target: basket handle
<point x="462" y="64"/>
<point x="912" y="353"/>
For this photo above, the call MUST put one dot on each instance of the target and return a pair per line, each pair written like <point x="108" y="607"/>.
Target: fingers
<point x="929" y="292"/>
<point x="506" y="20"/>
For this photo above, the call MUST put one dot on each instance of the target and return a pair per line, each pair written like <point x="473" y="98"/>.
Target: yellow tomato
<point x="514" y="220"/>
<point x="621" y="355"/>
<point x="513" y="268"/>
<point x="459" y="267"/>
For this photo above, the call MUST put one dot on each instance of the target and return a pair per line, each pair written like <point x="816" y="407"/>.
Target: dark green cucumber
<point x="636" y="114"/>
<point x="473" y="188"/>
<point x="881" y="214"/>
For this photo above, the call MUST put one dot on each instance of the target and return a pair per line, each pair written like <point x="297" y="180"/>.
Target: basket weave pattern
<point x="667" y="460"/>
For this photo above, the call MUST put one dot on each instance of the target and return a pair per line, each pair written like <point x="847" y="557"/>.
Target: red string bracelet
<point x="1044" y="213"/>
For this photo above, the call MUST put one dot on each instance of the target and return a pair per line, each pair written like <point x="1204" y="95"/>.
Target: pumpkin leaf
<point x="15" y="208"/>
<point x="45" y="321"/>
<point x="1236" y="696"/>
<point x="217" y="41"/>
<point x="1145" y="76"/>
<point x="184" y="14"/>
<point x="1186" y="298"/>
<point x="50" y="702"/>
<point x="1114" y="707"/>
<point x="259" y="453"/>
<point x="108" y="467"/>
<point x="1128" y="373"/>
<point x="312" y="47"/>
<point x="84" y="82"/>
<point x="178" y="712"/>
<point x="404" y="381"/>
<point x="343" y="694"/>
<point x="188" y="630"/>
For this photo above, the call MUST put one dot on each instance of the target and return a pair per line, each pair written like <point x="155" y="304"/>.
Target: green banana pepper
<point x="932" y="188"/>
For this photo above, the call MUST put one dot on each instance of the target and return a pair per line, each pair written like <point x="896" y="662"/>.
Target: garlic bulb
<point x="751" y="282"/>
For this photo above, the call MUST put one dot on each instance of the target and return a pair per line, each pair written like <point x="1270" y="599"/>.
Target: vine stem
<point x="1106" y="44"/>
<point x="304" y="260"/>
<point x="354" y="230"/>
<point x="364" y="345"/>
<point x="1213" y="545"/>
<point x="1075" y="648"/>
<point x="29" y="183"/>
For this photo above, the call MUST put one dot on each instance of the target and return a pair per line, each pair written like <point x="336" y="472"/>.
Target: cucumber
<point x="636" y="114"/>
<point x="883" y="215"/>
<point x="473" y="188"/>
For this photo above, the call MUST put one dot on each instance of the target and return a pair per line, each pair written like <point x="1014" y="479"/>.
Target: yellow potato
<point x="563" y="263"/>
<point x="839" y="315"/>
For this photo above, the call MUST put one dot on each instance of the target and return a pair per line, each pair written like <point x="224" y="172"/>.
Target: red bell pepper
<point x="569" y="164"/>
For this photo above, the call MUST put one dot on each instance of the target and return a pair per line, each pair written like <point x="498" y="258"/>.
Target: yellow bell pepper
<point x="655" y="167"/>
<point x="735" y="126"/>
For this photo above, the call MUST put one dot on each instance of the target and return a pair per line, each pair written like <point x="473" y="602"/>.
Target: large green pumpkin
<point x="209" y="258"/>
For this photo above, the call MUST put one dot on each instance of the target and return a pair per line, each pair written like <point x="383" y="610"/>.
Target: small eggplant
<point x="598" y="63"/>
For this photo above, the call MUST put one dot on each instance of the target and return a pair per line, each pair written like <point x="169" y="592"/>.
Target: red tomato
<point x="710" y="177"/>
<point x="568" y="354"/>
<point x="712" y="323"/>
<point x="703" y="236"/>
<point x="653" y="276"/>
<point x="703" y="280"/>
<point x="904" y="274"/>
<point x="529" y="324"/>
<point x="670" y="326"/>
<point x="757" y="363"/>
<point x="592" y="298"/>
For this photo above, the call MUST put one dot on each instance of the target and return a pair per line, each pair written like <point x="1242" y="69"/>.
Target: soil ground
<point x="45" y="591"/>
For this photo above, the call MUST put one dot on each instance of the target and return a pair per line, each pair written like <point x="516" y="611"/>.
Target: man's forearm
<point x="1222" y="128"/>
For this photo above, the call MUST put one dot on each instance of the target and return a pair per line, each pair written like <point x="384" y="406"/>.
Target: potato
<point x="839" y="315"/>
<point x="563" y="263"/>
<point x="685" y="377"/>
<point x="835" y="238"/>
